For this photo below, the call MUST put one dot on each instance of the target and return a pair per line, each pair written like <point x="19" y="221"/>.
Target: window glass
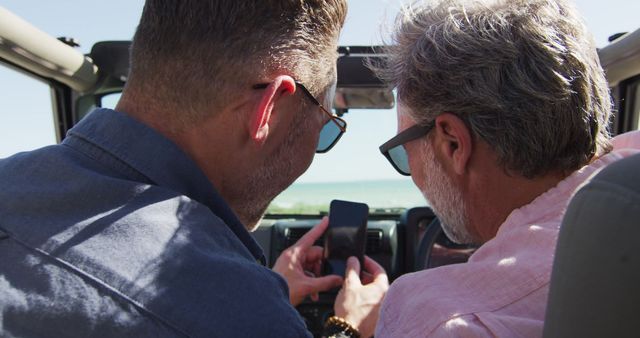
<point x="353" y="170"/>
<point x="110" y="100"/>
<point x="634" y="104"/>
<point x="26" y="115"/>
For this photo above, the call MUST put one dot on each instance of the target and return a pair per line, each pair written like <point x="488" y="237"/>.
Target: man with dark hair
<point x="503" y="114"/>
<point x="138" y="223"/>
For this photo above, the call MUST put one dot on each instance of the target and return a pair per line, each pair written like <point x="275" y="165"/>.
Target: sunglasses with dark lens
<point x="394" y="149"/>
<point x="331" y="131"/>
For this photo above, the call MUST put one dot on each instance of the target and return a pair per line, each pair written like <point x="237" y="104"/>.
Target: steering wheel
<point x="423" y="255"/>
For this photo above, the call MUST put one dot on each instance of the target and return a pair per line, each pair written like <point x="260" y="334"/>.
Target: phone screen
<point x="346" y="235"/>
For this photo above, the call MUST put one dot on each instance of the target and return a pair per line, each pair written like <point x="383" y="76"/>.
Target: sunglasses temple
<point x="333" y="118"/>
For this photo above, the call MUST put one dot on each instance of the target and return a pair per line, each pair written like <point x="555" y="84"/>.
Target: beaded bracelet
<point x="336" y="324"/>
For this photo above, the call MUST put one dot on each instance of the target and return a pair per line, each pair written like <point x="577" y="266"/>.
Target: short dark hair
<point x="202" y="50"/>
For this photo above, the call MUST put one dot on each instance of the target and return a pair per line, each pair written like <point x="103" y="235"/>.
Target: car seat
<point x="595" y="283"/>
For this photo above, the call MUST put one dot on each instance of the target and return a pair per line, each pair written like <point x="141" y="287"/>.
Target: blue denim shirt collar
<point x="160" y="160"/>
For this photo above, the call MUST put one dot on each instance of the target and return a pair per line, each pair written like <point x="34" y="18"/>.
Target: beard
<point x="445" y="199"/>
<point x="278" y="173"/>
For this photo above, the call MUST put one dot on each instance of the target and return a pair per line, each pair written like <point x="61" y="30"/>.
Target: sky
<point x="25" y="104"/>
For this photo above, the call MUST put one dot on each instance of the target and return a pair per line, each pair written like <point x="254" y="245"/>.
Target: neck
<point x="209" y="143"/>
<point x="492" y="195"/>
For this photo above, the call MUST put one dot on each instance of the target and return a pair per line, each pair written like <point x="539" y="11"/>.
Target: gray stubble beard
<point x="445" y="200"/>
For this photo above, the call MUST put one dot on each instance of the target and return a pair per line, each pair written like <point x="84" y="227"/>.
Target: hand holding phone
<point x="346" y="235"/>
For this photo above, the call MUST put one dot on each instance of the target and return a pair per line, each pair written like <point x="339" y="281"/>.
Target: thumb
<point x="352" y="274"/>
<point x="324" y="283"/>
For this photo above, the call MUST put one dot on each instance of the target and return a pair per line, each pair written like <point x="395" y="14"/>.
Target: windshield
<point x="353" y="170"/>
<point x="382" y="196"/>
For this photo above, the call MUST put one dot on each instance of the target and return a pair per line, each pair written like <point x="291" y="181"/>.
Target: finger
<point x="352" y="273"/>
<point x="313" y="258"/>
<point x="376" y="270"/>
<point x="312" y="235"/>
<point x="372" y="266"/>
<point x="325" y="283"/>
<point x="315" y="297"/>
<point x="314" y="254"/>
<point x="317" y="268"/>
<point x="366" y="277"/>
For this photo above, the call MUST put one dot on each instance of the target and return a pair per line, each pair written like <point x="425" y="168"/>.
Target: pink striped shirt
<point x="502" y="290"/>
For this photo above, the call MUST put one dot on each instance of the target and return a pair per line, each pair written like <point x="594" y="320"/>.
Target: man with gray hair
<point x="137" y="225"/>
<point x="503" y="113"/>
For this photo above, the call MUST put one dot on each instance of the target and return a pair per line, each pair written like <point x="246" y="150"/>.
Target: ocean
<point x="315" y="197"/>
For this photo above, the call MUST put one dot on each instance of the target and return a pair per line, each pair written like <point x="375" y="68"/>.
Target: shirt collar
<point x="552" y="204"/>
<point x="161" y="161"/>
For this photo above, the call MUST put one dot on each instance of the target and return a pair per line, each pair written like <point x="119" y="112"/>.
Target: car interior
<point x="596" y="270"/>
<point x="402" y="241"/>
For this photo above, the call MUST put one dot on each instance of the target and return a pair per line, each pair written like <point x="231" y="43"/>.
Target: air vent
<point x="292" y="235"/>
<point x="374" y="241"/>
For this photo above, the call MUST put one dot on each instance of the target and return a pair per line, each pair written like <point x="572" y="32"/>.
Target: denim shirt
<point x="116" y="232"/>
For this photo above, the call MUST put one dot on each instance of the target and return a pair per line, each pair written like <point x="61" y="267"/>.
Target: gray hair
<point x="523" y="74"/>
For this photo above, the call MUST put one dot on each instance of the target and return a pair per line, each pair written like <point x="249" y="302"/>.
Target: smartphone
<point x="346" y="235"/>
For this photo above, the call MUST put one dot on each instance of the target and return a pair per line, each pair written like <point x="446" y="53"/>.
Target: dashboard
<point x="395" y="241"/>
<point x="382" y="245"/>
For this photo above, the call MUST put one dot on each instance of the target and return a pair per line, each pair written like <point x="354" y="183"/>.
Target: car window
<point x="633" y="103"/>
<point x="26" y="116"/>
<point x="110" y="100"/>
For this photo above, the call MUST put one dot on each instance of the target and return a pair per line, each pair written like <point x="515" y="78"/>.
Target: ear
<point x="454" y="141"/>
<point x="262" y="115"/>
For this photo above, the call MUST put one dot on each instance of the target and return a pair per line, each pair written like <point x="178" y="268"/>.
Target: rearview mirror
<point x="358" y="87"/>
<point x="363" y="98"/>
